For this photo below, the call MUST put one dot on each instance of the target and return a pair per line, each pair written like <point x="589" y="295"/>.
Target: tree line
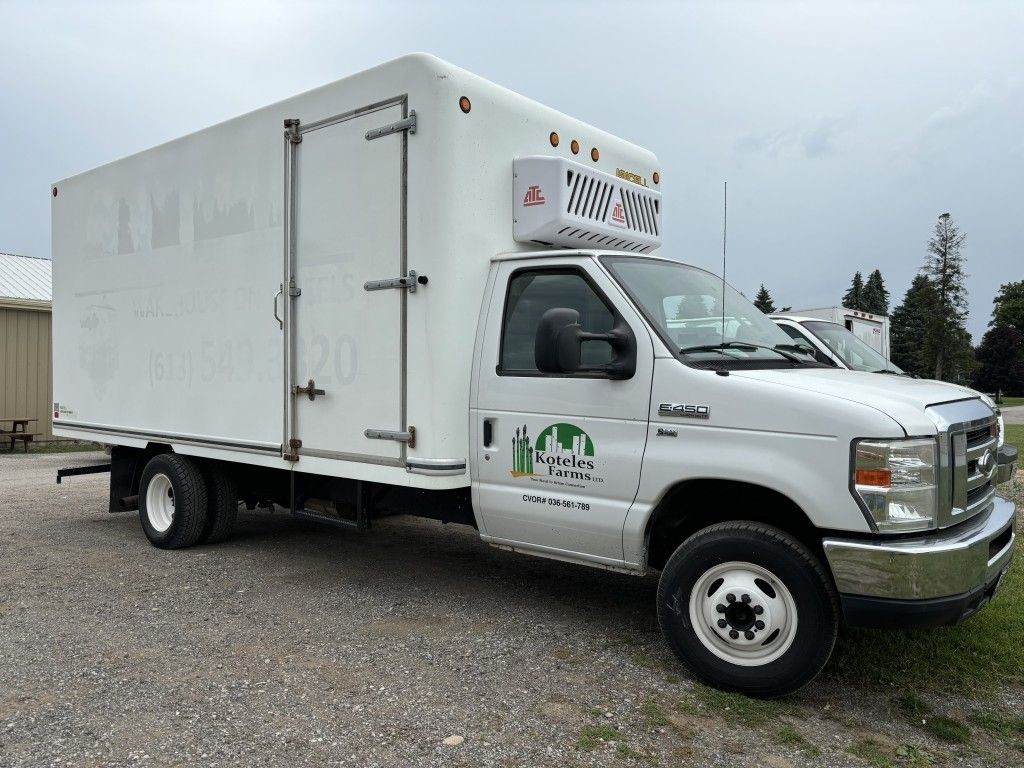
<point x="927" y="329"/>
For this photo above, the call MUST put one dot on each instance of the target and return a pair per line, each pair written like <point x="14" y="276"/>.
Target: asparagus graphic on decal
<point x="522" y="453"/>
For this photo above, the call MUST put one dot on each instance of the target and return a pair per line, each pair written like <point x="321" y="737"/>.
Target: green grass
<point x="1015" y="435"/>
<point x="880" y="755"/>
<point x="1010" y="402"/>
<point x="739" y="709"/>
<point x="789" y="736"/>
<point x="653" y="714"/>
<point x="1008" y="729"/>
<point x="593" y="736"/>
<point x="871" y="751"/>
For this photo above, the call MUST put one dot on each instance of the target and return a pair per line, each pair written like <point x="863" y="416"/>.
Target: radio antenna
<point x="725" y="224"/>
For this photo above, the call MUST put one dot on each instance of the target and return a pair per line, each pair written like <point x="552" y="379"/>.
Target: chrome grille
<point x="967" y="459"/>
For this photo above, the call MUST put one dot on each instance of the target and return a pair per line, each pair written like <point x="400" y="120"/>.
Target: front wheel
<point x="748" y="608"/>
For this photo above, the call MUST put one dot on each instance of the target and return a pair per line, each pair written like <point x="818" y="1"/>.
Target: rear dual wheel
<point x="184" y="502"/>
<point x="748" y="608"/>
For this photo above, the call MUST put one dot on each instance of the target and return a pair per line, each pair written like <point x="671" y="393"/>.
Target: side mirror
<point x="559" y="342"/>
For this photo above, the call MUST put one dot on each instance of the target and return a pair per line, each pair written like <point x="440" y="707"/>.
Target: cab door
<point x="557" y="456"/>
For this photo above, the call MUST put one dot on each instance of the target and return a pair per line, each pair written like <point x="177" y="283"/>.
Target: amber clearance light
<point x="877" y="478"/>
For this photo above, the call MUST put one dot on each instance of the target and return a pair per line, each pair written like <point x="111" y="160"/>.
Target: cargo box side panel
<point x="165" y="269"/>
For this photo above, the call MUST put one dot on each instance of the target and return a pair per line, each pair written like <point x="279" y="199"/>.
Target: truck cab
<point x="621" y="422"/>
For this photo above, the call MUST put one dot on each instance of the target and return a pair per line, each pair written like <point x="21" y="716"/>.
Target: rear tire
<point x="172" y="501"/>
<point x="222" y="498"/>
<point x="748" y="608"/>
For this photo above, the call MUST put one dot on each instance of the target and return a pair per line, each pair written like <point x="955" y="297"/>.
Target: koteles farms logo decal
<point x="562" y="452"/>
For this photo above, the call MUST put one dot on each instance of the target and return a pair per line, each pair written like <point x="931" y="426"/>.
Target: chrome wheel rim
<point x="160" y="502"/>
<point x="743" y="614"/>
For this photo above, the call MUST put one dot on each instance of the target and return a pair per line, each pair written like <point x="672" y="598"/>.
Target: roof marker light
<point x="575" y="147"/>
<point x="554" y="139"/>
<point x="465" y="105"/>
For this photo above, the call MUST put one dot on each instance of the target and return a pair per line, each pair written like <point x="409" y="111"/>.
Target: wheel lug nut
<point x="722" y="623"/>
<point x="749" y="635"/>
<point x="733" y="634"/>
<point x="730" y="598"/>
<point x="759" y="624"/>
<point x="720" y="608"/>
<point x="758" y="610"/>
<point x="745" y="598"/>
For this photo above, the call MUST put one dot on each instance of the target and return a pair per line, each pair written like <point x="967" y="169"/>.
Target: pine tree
<point x="763" y="301"/>
<point x="1009" y="307"/>
<point x="854" y="297"/>
<point x="907" y="328"/>
<point x="944" y="266"/>
<point x="875" y="297"/>
<point x="1000" y="361"/>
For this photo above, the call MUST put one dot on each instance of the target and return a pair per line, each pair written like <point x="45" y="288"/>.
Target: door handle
<point x="280" y="322"/>
<point x="488" y="432"/>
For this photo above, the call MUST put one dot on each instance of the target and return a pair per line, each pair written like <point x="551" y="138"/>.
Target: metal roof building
<point x="26" y="378"/>
<point x="25" y="281"/>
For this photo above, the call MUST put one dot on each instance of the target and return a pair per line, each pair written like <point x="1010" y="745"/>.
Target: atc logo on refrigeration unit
<point x="563" y="454"/>
<point x="533" y="196"/>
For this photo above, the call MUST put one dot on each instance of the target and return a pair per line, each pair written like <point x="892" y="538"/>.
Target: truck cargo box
<point x="299" y="287"/>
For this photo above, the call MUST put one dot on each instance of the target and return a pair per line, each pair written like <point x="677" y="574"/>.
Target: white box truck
<point x="872" y="329"/>
<point x="413" y="291"/>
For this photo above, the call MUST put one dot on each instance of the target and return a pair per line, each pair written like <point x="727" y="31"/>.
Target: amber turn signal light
<point x="878" y="478"/>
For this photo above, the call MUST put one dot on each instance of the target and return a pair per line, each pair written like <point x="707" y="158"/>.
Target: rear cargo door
<point x="346" y="363"/>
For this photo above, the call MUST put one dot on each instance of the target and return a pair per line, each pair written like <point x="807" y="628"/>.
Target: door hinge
<point x="408" y="437"/>
<point x="294" y="444"/>
<point x="309" y="390"/>
<point x="409" y="282"/>
<point x="291" y="130"/>
<point x="408" y="124"/>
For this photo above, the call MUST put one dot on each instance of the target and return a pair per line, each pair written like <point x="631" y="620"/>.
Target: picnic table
<point x="18" y="431"/>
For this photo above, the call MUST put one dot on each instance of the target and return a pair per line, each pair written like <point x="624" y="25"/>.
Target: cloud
<point x="812" y="141"/>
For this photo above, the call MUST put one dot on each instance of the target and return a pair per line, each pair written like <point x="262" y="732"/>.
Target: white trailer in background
<point x="413" y="291"/>
<point x="873" y="330"/>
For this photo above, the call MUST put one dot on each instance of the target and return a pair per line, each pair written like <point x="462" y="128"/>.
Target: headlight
<point x="896" y="482"/>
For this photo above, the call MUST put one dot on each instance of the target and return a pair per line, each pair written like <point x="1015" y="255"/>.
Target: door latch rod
<point x="309" y="390"/>
<point x="409" y="282"/>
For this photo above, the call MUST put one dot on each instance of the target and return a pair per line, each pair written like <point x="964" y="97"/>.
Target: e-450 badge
<point x="684" y="410"/>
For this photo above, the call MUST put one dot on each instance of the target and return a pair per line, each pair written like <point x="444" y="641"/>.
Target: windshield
<point x="854" y="353"/>
<point x="686" y="307"/>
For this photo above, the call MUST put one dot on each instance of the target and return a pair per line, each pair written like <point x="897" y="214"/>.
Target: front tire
<point x="172" y="501"/>
<point x="748" y="608"/>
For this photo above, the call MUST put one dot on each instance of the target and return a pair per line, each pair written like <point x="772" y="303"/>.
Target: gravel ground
<point x="294" y="644"/>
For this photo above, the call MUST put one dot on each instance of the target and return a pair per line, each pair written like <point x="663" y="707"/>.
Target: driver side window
<point x="531" y="293"/>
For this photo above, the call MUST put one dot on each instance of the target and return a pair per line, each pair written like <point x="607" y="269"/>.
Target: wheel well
<point x="695" y="504"/>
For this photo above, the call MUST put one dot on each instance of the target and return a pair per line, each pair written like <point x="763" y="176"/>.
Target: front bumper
<point x="927" y="579"/>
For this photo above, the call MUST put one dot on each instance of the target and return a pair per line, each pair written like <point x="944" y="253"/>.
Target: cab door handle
<point x="488" y="432"/>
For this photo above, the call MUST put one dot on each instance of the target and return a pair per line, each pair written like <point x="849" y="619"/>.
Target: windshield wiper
<point x="890" y="371"/>
<point x="745" y="345"/>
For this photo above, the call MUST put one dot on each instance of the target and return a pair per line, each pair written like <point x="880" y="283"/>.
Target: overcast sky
<point x="844" y="129"/>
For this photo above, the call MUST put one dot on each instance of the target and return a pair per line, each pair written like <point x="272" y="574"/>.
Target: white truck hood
<point x="903" y="398"/>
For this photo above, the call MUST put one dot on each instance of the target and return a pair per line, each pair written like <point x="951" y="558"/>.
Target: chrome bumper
<point x="938" y="565"/>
